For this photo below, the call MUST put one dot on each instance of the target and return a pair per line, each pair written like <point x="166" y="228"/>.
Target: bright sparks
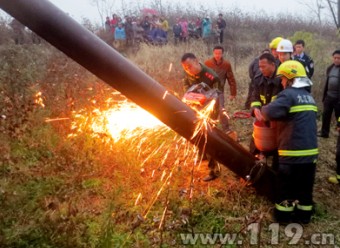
<point x="123" y="121"/>
<point x="119" y="120"/>
<point x="204" y="119"/>
<point x="38" y="99"/>
<point x="170" y="67"/>
<point x="126" y="119"/>
<point x="56" y="119"/>
<point x="159" y="151"/>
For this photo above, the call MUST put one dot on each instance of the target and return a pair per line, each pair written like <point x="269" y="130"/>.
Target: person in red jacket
<point x="223" y="69"/>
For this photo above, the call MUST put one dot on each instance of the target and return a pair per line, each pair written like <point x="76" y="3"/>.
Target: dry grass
<point x="57" y="192"/>
<point x="327" y="213"/>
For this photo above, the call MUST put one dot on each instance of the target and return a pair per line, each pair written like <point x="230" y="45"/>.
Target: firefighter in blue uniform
<point x="295" y="112"/>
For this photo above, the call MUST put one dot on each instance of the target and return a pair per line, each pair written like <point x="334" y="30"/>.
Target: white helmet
<point x="285" y="46"/>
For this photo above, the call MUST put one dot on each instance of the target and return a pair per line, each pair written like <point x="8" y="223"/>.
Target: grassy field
<point x="64" y="185"/>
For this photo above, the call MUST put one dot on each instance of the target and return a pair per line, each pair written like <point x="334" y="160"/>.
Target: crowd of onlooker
<point x="154" y="29"/>
<point x="149" y="28"/>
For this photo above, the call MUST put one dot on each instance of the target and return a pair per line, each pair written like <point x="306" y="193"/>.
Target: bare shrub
<point x="5" y="32"/>
<point x="21" y="68"/>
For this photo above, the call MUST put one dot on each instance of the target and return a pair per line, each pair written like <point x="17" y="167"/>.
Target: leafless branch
<point x="314" y="7"/>
<point x="333" y="14"/>
<point x="104" y="7"/>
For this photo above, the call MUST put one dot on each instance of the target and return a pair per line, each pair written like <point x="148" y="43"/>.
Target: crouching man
<point x="196" y="73"/>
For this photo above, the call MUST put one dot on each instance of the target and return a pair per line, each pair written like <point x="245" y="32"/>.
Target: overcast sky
<point x="79" y="9"/>
<point x="83" y="8"/>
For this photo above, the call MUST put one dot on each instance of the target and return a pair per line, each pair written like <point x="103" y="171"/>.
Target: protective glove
<point x="258" y="114"/>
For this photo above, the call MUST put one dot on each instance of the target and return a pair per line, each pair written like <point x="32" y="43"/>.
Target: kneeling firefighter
<point x="295" y="112"/>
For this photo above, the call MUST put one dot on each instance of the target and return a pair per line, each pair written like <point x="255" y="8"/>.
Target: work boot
<point x="282" y="217"/>
<point x="214" y="171"/>
<point x="302" y="216"/>
<point x="323" y="135"/>
<point x="232" y="134"/>
<point x="210" y="177"/>
<point x="284" y="212"/>
<point x="333" y="179"/>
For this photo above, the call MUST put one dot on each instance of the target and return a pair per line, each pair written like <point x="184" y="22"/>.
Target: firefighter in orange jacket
<point x="295" y="112"/>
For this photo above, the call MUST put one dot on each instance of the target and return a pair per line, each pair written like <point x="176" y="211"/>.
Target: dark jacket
<point x="265" y="90"/>
<point x="221" y="24"/>
<point x="307" y="62"/>
<point x="254" y="69"/>
<point x="177" y="29"/>
<point x="326" y="84"/>
<point x="207" y="76"/>
<point x="295" y="112"/>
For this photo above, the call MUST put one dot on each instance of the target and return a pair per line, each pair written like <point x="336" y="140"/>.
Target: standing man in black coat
<point x="221" y="23"/>
<point x="331" y="95"/>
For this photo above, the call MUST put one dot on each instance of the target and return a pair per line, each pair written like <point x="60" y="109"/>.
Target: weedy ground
<point x="83" y="192"/>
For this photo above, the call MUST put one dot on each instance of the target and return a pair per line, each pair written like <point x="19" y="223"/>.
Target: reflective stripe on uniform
<point x="273" y="98"/>
<point x="301" y="108"/>
<point x="263" y="99"/>
<point x="304" y="207"/>
<point x="284" y="208"/>
<point x="338" y="177"/>
<point x="256" y="104"/>
<point x="298" y="153"/>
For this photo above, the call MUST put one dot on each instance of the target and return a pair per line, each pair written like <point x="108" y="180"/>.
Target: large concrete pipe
<point x="88" y="50"/>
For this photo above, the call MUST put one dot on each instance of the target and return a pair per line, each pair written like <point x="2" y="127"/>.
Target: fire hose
<point x="241" y="115"/>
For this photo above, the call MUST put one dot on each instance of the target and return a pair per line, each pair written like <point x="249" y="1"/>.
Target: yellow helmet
<point x="291" y="69"/>
<point x="273" y="44"/>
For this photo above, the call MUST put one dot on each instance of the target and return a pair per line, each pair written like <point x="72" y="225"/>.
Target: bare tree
<point x="104" y="8"/>
<point x="129" y="7"/>
<point x="124" y="7"/>
<point x="331" y="5"/>
<point x="157" y="4"/>
<point x="314" y="7"/>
